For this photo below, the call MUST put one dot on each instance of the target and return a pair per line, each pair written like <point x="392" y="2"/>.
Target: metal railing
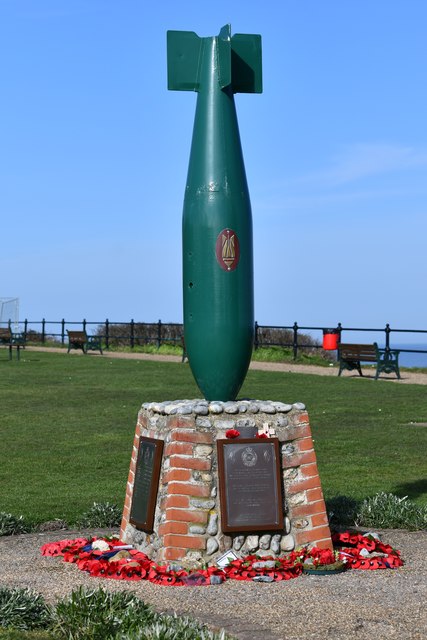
<point x="340" y="330"/>
<point x="131" y="333"/>
<point x="134" y="333"/>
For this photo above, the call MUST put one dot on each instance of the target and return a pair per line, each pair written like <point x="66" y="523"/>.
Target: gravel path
<point x="357" y="604"/>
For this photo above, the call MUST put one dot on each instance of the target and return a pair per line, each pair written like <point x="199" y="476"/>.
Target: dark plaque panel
<point x="250" y="484"/>
<point x="146" y="483"/>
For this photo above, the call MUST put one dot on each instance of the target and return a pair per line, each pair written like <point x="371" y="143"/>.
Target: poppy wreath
<point x="366" y="552"/>
<point x="274" y="569"/>
<point x="106" y="557"/>
<point x="117" y="561"/>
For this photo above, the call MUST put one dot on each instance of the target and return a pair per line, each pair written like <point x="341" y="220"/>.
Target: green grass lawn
<point x="67" y="424"/>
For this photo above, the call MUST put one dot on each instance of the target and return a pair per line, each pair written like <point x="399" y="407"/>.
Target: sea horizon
<point x="410" y="359"/>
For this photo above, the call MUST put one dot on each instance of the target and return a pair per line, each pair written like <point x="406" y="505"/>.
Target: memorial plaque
<point x="250" y="485"/>
<point x="146" y="483"/>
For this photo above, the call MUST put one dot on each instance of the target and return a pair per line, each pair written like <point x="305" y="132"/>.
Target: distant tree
<point x="144" y="333"/>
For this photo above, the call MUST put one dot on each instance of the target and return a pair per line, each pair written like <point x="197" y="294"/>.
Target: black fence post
<point x="159" y="334"/>
<point x="256" y="344"/>
<point x="107" y="334"/>
<point x="25" y="328"/>
<point x="387" y="337"/>
<point x="84" y="324"/>
<point x="43" y="331"/>
<point x="339" y="329"/>
<point x="63" y="331"/>
<point x="132" y="334"/>
<point x="295" y="343"/>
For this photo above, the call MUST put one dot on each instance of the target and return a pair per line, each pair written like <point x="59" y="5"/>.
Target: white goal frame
<point x="9" y="310"/>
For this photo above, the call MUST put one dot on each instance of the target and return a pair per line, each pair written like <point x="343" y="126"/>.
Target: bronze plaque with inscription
<point x="146" y="483"/>
<point x="250" y="484"/>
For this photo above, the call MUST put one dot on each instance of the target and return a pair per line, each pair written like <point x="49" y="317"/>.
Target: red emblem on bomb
<point x="227" y="249"/>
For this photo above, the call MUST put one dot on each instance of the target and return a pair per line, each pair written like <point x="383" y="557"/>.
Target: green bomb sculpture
<point x="217" y="219"/>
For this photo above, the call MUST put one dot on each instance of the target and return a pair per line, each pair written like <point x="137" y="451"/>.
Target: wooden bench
<point x="12" y="340"/>
<point x="351" y="355"/>
<point x="80" y="340"/>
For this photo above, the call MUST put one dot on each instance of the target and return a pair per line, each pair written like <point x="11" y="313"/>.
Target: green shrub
<point x="163" y="350"/>
<point x="144" y="333"/>
<point x="388" y="511"/>
<point x="100" y="615"/>
<point x="23" y="609"/>
<point x="284" y="354"/>
<point x="175" y="628"/>
<point x="11" y="525"/>
<point x="101" y="514"/>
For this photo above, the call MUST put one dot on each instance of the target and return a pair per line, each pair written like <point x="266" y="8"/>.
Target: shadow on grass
<point x="412" y="490"/>
<point x="342" y="510"/>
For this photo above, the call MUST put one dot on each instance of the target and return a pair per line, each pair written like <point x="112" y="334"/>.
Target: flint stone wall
<point x="187" y="518"/>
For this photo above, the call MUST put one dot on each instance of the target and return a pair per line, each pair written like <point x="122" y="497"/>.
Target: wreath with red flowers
<point x="366" y="551"/>
<point x="122" y="562"/>
<point x="109" y="558"/>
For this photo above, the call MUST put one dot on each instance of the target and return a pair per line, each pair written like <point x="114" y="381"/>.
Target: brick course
<point x="298" y="460"/>
<point x="187" y="542"/>
<point x="312" y="535"/>
<point x="198" y="437"/>
<point x="187" y="462"/>
<point x="187" y="489"/>
<point x="181" y="502"/>
<point x="179" y="448"/>
<point x="187" y="515"/>
<point x="181" y="475"/>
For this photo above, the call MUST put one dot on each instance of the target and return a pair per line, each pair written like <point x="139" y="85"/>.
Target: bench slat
<point x="362" y="352"/>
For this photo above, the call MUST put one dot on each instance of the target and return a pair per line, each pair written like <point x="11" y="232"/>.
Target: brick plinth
<point x="187" y="517"/>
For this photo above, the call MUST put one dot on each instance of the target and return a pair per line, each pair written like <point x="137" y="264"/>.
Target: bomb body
<point x="217" y="219"/>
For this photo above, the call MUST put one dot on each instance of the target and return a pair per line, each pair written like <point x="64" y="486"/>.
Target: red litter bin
<point x="331" y="338"/>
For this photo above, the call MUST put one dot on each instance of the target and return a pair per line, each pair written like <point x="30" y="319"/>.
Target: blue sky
<point x="94" y="153"/>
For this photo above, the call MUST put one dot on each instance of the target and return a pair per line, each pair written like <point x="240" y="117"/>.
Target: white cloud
<point x="363" y="160"/>
<point x="386" y="176"/>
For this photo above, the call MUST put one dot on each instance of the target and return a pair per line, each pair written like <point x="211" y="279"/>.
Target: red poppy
<point x="84" y="561"/>
<point x="248" y="574"/>
<point x="368" y="543"/>
<point x="345" y="538"/>
<point x="98" y="569"/>
<point x="51" y="549"/>
<point x="232" y="433"/>
<point x="261" y="435"/>
<point x="321" y="556"/>
<point x="276" y="575"/>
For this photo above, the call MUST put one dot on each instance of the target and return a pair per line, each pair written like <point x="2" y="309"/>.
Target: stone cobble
<point x="203" y="407"/>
